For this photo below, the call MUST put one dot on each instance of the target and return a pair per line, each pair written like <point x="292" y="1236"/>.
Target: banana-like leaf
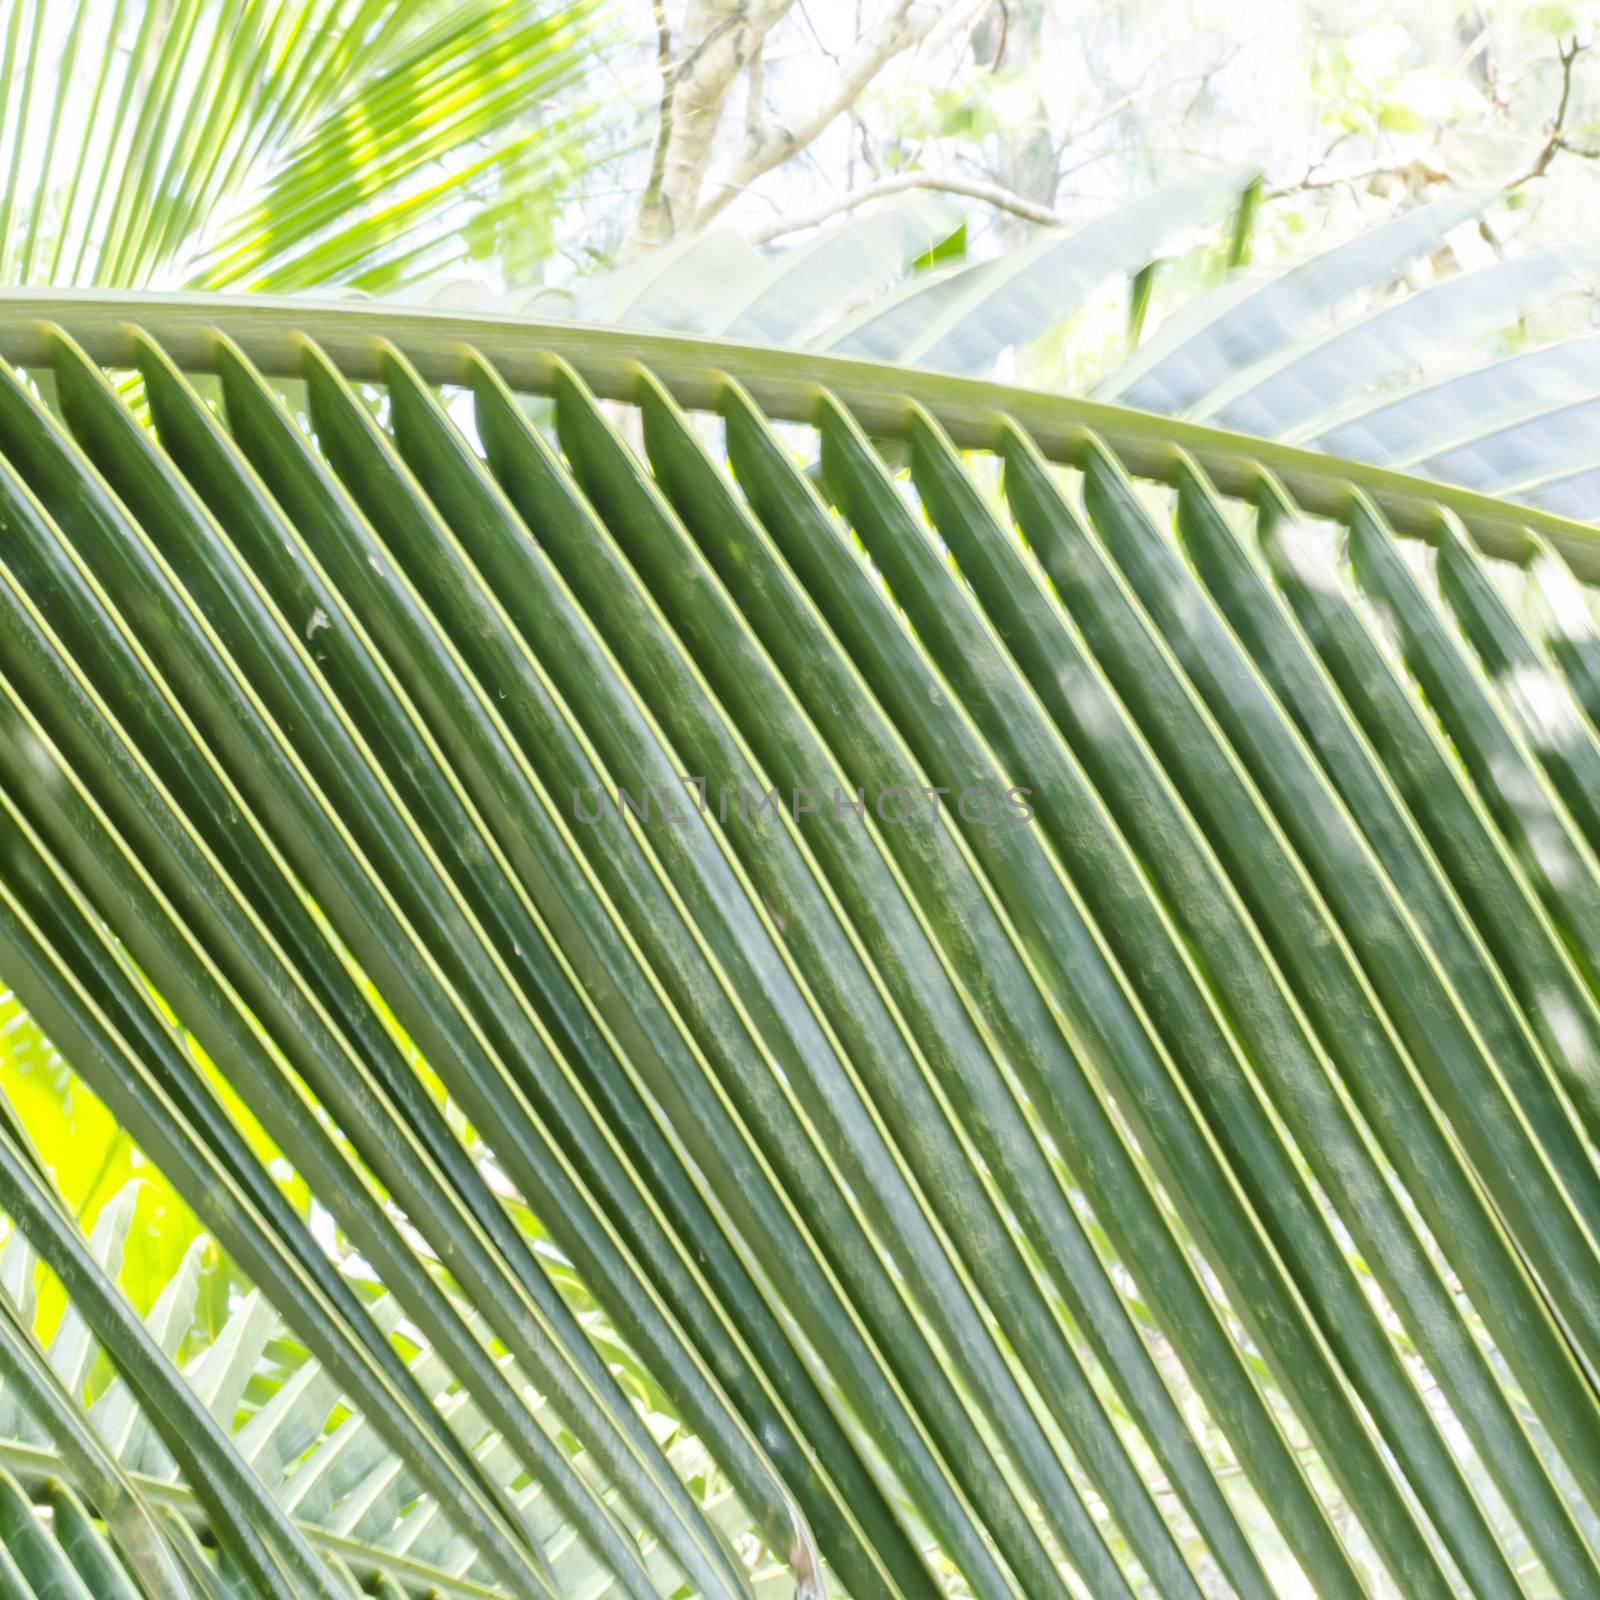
<point x="1048" y="1004"/>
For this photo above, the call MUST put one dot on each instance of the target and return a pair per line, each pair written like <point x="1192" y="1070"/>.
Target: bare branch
<point x="1555" y="138"/>
<point x="754" y="78"/>
<point x="906" y="24"/>
<point x="864" y="138"/>
<point x="957" y="17"/>
<point x="993" y="194"/>
<point x="1416" y="174"/>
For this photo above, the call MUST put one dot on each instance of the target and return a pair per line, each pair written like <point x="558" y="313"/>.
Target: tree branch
<point x="1415" y="173"/>
<point x="754" y="78"/>
<point x="993" y="194"/>
<point x="907" y="23"/>
<point x="1555" y="139"/>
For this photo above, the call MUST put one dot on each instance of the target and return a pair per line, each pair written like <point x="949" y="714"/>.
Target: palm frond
<point x="1022" y="1023"/>
<point x="308" y="1451"/>
<point x="1309" y="356"/>
<point x="316" y="141"/>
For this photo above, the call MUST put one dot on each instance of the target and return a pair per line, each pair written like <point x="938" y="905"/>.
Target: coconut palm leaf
<point x="1567" y="494"/>
<point x="962" y="320"/>
<point x="800" y="287"/>
<point x="1207" y="341"/>
<point x="828" y="294"/>
<point x="1286" y="393"/>
<point x="718" y="283"/>
<point x="1026" y="1023"/>
<point x="306" y="1451"/>
<point x="223" y="141"/>
<point x="1327" y="353"/>
<point x="1407" y="428"/>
